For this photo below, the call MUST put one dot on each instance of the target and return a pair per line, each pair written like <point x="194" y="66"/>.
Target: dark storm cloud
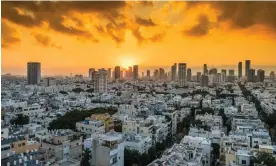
<point x="146" y="3"/>
<point x="137" y="34"/>
<point x="54" y="12"/>
<point x="45" y="40"/>
<point x="144" y="22"/>
<point x="244" y="14"/>
<point x="116" y="31"/>
<point x="201" y="28"/>
<point x="142" y="39"/>
<point x="8" y="37"/>
<point x="157" y="37"/>
<point x="13" y="15"/>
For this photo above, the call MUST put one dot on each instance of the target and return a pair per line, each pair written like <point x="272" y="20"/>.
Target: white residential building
<point x="100" y="81"/>
<point x="31" y="110"/>
<point x="106" y="149"/>
<point x="138" y="142"/>
<point x="90" y="126"/>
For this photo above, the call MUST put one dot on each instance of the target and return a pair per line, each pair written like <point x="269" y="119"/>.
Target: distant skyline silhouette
<point x="70" y="37"/>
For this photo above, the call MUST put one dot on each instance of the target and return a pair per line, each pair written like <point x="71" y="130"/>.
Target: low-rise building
<point x="138" y="142"/>
<point x="90" y="126"/>
<point x="106" y="149"/>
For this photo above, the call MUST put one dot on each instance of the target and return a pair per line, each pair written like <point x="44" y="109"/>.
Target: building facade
<point x="189" y="74"/>
<point x="247" y="66"/>
<point x="33" y="73"/>
<point x="173" y="70"/>
<point x="181" y="73"/>
<point x="117" y="73"/>
<point x="135" y="72"/>
<point x="240" y="69"/>
<point x="100" y="81"/>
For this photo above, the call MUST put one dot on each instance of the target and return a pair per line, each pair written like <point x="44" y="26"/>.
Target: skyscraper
<point x="33" y="73"/>
<point x="223" y="76"/>
<point x="213" y="71"/>
<point x="161" y="73"/>
<point x="189" y="74"/>
<point x="155" y="74"/>
<point x="204" y="80"/>
<point x="100" y="81"/>
<point x="231" y="72"/>
<point x="129" y="72"/>
<point x="109" y="73"/>
<point x="135" y="72"/>
<point x="205" y="69"/>
<point x="90" y="72"/>
<point x="251" y="75"/>
<point x="181" y="73"/>
<point x="148" y="73"/>
<point x="231" y="75"/>
<point x="272" y="75"/>
<point x="49" y="81"/>
<point x="122" y="74"/>
<point x="174" y="72"/>
<point x="240" y="70"/>
<point x="117" y="73"/>
<point x="198" y="75"/>
<point x="247" y="66"/>
<point x="224" y="71"/>
<point x="260" y="75"/>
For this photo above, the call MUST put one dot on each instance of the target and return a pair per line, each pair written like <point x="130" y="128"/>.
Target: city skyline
<point x="85" y="71"/>
<point x="148" y="34"/>
<point x="126" y="83"/>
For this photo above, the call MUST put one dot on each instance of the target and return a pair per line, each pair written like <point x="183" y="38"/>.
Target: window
<point x="243" y="161"/>
<point x="19" y="145"/>
<point x="5" y="148"/>
<point x="2" y="132"/>
<point x="256" y="142"/>
<point x="114" y="160"/>
<point x="23" y="144"/>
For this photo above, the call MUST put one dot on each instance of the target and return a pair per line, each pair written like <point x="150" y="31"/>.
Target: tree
<point x="132" y="157"/>
<point x="215" y="152"/>
<point x="266" y="158"/>
<point x="85" y="161"/>
<point x="68" y="121"/>
<point x="119" y="93"/>
<point x="152" y="153"/>
<point x="77" y="90"/>
<point x="206" y="110"/>
<point x="90" y="90"/>
<point x="20" y="120"/>
<point x="160" y="146"/>
<point x="63" y="92"/>
<point x="145" y="159"/>
<point x="222" y="114"/>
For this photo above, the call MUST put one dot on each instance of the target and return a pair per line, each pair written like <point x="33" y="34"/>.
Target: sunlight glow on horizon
<point x="127" y="62"/>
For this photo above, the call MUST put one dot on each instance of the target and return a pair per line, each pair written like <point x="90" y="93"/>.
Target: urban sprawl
<point x="128" y="117"/>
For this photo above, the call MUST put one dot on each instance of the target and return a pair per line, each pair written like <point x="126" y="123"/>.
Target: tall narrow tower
<point x="33" y="72"/>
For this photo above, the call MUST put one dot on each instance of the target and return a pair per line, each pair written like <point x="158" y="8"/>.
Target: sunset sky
<point x="70" y="37"/>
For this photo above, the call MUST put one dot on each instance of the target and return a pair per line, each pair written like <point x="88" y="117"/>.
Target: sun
<point x="127" y="62"/>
